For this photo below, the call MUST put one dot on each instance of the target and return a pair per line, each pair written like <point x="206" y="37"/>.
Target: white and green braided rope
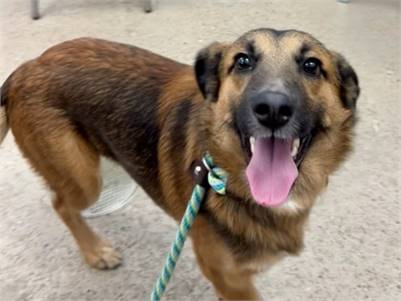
<point x="217" y="179"/>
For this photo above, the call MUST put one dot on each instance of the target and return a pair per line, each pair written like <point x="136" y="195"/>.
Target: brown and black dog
<point x="275" y="109"/>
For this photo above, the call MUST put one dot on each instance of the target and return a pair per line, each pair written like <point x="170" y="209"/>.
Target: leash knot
<point x="216" y="177"/>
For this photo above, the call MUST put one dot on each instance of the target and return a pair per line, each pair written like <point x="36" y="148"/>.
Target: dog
<point x="275" y="109"/>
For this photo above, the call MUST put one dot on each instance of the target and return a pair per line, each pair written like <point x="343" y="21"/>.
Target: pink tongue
<point x="272" y="171"/>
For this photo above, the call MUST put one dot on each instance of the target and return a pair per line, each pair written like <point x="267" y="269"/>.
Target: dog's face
<point x="282" y="109"/>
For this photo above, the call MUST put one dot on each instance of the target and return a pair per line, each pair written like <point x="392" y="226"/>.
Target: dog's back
<point x="106" y="92"/>
<point x="79" y="100"/>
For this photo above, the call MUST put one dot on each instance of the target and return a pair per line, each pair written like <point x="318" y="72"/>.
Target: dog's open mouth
<point x="273" y="167"/>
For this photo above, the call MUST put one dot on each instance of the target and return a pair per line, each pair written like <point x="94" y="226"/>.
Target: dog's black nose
<point x="272" y="109"/>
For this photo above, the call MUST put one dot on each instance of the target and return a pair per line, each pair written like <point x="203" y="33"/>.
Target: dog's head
<point x="282" y="109"/>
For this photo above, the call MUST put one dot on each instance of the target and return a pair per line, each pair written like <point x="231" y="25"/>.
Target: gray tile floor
<point x="353" y="239"/>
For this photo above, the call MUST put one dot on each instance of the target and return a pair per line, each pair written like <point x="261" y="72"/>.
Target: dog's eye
<point x="243" y="62"/>
<point x="312" y="66"/>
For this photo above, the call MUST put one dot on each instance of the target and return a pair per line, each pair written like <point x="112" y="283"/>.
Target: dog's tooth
<point x="294" y="152"/>
<point x="296" y="143"/>
<point x="252" y="144"/>
<point x="295" y="147"/>
<point x="252" y="140"/>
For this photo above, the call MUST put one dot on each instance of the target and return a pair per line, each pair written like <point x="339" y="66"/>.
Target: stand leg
<point x="35" y="9"/>
<point x="148" y="6"/>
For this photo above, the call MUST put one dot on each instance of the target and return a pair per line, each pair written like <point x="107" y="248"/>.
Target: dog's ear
<point x="207" y="70"/>
<point x="348" y="82"/>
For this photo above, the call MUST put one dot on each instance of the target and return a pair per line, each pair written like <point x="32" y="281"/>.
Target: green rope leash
<point x="216" y="179"/>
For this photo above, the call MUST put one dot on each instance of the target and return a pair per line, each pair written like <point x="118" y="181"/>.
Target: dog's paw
<point x="103" y="257"/>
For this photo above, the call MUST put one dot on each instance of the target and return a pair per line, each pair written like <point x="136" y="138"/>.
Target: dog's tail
<point x="3" y="114"/>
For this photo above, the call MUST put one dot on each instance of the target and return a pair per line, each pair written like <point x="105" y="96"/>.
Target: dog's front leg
<point x="230" y="279"/>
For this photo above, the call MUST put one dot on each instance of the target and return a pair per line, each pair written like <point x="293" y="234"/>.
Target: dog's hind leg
<point x="70" y="166"/>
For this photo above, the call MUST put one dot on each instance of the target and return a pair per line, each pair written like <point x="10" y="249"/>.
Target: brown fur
<point x="88" y="98"/>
